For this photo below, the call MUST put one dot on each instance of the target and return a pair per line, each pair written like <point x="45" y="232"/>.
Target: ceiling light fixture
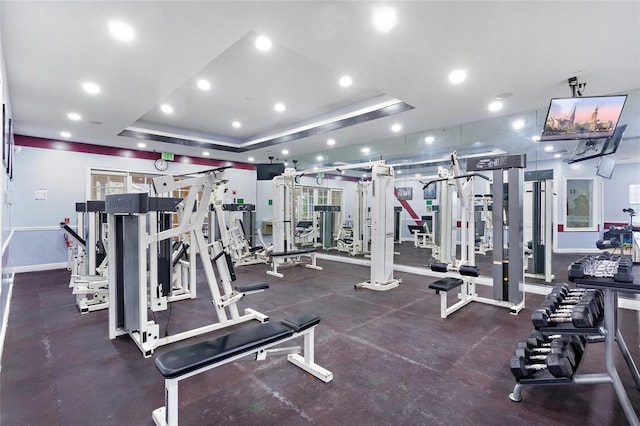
<point x="236" y="124"/>
<point x="205" y="153"/>
<point x="65" y="134"/>
<point x="557" y="156"/>
<point x="345" y="81"/>
<point x="251" y="159"/>
<point x="495" y="106"/>
<point x="384" y="18"/>
<point x="142" y="145"/>
<point x="166" y="108"/>
<point x="285" y="152"/>
<point x="396" y="127"/>
<point x="365" y="150"/>
<point x="399" y="172"/>
<point x="319" y="158"/>
<point x="457" y="76"/>
<point x="280" y="107"/>
<point x="263" y="43"/>
<point x="518" y="124"/>
<point x="429" y="139"/>
<point x="331" y="142"/>
<point x="548" y="148"/>
<point x="74" y="116"/>
<point x="204" y="85"/>
<point x="121" y="31"/>
<point x="91" y="87"/>
<point x="535" y="138"/>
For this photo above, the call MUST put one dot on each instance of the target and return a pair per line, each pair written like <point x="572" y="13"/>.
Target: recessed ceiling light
<point x="418" y="175"/>
<point x="557" y="156"/>
<point x="384" y="18"/>
<point x="204" y="85"/>
<point x="495" y="106"/>
<point x="251" y="159"/>
<point x="166" y="108"/>
<point x="65" y="134"/>
<point x="286" y="163"/>
<point x="399" y="172"/>
<point x="121" y="31"/>
<point x="263" y="43"/>
<point x="74" y="116"/>
<point x="457" y="76"/>
<point x="205" y="153"/>
<point x="331" y="142"/>
<point x="91" y="87"/>
<point x="142" y="145"/>
<point x="364" y="175"/>
<point x="518" y="124"/>
<point x="315" y="168"/>
<point x="319" y="158"/>
<point x="535" y="138"/>
<point x="236" y="124"/>
<point x="345" y="81"/>
<point x="396" y="127"/>
<point x="280" y="107"/>
<point x="365" y="150"/>
<point x="429" y="139"/>
<point x="548" y="148"/>
<point x="285" y="152"/>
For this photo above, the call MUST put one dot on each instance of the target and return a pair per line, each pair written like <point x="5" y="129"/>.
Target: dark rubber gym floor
<point x="395" y="362"/>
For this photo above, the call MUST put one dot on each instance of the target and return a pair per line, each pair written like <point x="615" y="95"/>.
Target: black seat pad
<point x="446" y="284"/>
<point x="295" y="252"/>
<point x="189" y="358"/>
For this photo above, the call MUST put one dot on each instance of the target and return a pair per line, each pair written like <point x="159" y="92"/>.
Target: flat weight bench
<point x="443" y="285"/>
<point x="188" y="361"/>
<point x="296" y="255"/>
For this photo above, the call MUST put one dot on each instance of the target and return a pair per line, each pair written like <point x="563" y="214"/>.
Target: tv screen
<point x="594" y="117"/>
<point x="405" y="193"/>
<point x="269" y="170"/>
<point x="591" y="148"/>
<point x="606" y="166"/>
<point x="430" y="192"/>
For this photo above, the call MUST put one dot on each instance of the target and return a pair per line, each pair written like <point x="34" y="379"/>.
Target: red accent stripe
<point x="407" y="207"/>
<point x="119" y="152"/>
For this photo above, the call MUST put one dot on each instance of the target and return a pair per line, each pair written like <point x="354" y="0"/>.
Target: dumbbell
<point x="560" y="364"/>
<point x="592" y="298"/>
<point x="537" y="340"/>
<point x="579" y="316"/>
<point x="567" y="291"/>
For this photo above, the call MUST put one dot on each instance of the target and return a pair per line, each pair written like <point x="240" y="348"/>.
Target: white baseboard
<point x="41" y="267"/>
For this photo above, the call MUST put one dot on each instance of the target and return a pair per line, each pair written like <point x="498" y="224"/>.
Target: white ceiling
<point x="524" y="51"/>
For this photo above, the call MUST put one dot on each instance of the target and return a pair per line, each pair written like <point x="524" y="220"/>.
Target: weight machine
<point x="356" y="241"/>
<point x="140" y="248"/>
<point x="87" y="257"/>
<point x="326" y="219"/>
<point x="507" y="293"/>
<point x="539" y="193"/>
<point x="234" y="239"/>
<point x="483" y="207"/>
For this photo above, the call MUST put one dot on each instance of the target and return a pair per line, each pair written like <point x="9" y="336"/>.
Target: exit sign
<point x="167" y="156"/>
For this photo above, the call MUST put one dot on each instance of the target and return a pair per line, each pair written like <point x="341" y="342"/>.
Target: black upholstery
<point x="439" y="267"/>
<point x="301" y="322"/>
<point x="251" y="287"/>
<point x="190" y="358"/>
<point x="446" y="284"/>
<point x="295" y="252"/>
<point x="184" y="360"/>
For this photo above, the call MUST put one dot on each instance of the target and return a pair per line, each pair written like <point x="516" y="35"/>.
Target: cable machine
<point x="539" y="184"/>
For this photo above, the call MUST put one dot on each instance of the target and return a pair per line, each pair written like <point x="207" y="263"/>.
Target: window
<point x="582" y="199"/>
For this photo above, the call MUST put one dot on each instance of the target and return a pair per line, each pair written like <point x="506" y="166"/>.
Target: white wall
<point x="38" y="242"/>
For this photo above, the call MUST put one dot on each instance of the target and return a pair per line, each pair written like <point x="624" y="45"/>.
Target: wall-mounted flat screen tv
<point x="269" y="170"/>
<point x="593" y="117"/>
<point x="405" y="193"/>
<point x="431" y="192"/>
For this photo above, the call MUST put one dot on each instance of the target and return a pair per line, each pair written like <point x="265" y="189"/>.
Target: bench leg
<point x="306" y="362"/>
<point x="313" y="263"/>
<point x="168" y="415"/>
<point x="443" y="304"/>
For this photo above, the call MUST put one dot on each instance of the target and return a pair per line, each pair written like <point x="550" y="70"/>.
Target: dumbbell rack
<point x="608" y="328"/>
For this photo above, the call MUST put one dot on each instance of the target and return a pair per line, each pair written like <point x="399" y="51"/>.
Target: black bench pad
<point x="301" y="322"/>
<point x="251" y="287"/>
<point x="190" y="358"/>
<point x="295" y="252"/>
<point x="446" y="284"/>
